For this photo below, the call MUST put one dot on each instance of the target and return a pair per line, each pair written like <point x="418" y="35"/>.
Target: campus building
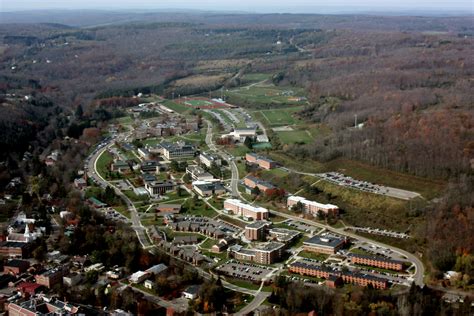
<point x="51" y="277"/>
<point x="309" y="269"/>
<point x="312" y="207"/>
<point x="41" y="306"/>
<point x="156" y="188"/>
<point x="324" y="244"/>
<point x="256" y="230"/>
<point x="264" y="186"/>
<point x="205" y="188"/>
<point x="316" y="270"/>
<point x="262" y="162"/>
<point x="178" y="150"/>
<point x="265" y="253"/>
<point x="376" y="261"/>
<point x="198" y="174"/>
<point x="268" y="253"/>
<point x="237" y="207"/>
<point x="208" y="159"/>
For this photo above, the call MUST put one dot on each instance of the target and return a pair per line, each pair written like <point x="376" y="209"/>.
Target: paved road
<point x="256" y="302"/>
<point x="135" y="218"/>
<point x="234" y="183"/>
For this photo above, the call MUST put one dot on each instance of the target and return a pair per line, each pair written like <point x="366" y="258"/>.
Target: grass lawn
<point x="275" y="172"/>
<point x="200" y="208"/>
<point x="208" y="243"/>
<point x="313" y="255"/>
<point x="295" y="136"/>
<point x="232" y="220"/>
<point x="265" y="95"/>
<point x="122" y="209"/>
<point x="217" y="202"/>
<point x="152" y="141"/>
<point x="103" y="164"/>
<point x="124" y="120"/>
<point x="237" y="151"/>
<point x="177" y="107"/>
<point x="135" y="198"/>
<point x="360" y="251"/>
<point x="256" y="77"/>
<point x="242" y="283"/>
<point x="281" y="116"/>
<point x="174" y="196"/>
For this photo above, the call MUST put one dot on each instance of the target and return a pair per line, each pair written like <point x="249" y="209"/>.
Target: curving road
<point x="93" y="173"/>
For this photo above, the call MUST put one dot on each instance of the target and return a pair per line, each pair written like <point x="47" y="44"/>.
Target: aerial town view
<point x="236" y="159"/>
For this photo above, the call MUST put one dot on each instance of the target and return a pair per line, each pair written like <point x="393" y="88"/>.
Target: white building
<point x="208" y="159"/>
<point x="138" y="277"/>
<point x="312" y="207"/>
<point x="237" y="207"/>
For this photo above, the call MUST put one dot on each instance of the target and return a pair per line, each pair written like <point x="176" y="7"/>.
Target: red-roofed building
<point x="28" y="289"/>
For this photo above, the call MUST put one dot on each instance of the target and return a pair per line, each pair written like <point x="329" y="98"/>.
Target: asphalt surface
<point x="92" y="172"/>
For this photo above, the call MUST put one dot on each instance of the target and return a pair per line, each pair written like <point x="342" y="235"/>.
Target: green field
<point x="256" y="77"/>
<point x="296" y="136"/>
<point x="124" y="120"/>
<point x="313" y="255"/>
<point x="197" y="103"/>
<point x="103" y="164"/>
<point x="265" y="95"/>
<point x="281" y="116"/>
<point x="180" y="108"/>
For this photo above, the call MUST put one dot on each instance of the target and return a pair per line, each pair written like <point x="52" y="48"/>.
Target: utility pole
<point x="355" y="121"/>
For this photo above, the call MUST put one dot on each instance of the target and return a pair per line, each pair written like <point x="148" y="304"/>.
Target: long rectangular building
<point x="312" y="207"/>
<point x="376" y="261"/>
<point x="264" y="186"/>
<point x="262" y="162"/>
<point x="316" y="270"/>
<point x="323" y="244"/>
<point x="239" y="208"/>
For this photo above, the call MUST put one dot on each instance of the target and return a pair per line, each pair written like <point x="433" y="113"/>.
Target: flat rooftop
<point x="324" y="241"/>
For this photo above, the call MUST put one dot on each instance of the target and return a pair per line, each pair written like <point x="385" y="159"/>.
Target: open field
<point x="281" y="116"/>
<point x="296" y="136"/>
<point x="103" y="164"/>
<point x="177" y="107"/>
<point x="259" y="95"/>
<point x="197" y="103"/>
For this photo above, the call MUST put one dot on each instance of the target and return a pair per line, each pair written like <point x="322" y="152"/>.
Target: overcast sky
<point x="291" y="6"/>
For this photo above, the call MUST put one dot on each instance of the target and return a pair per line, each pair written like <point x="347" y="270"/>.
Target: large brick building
<point x="376" y="261"/>
<point x="264" y="186"/>
<point x="246" y="210"/>
<point x="265" y="253"/>
<point x="256" y="230"/>
<point x="262" y="162"/>
<point x="15" y="266"/>
<point x="316" y="270"/>
<point x="51" y="277"/>
<point x="312" y="207"/>
<point x="324" y="244"/>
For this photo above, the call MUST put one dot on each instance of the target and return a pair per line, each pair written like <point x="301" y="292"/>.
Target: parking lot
<point x="245" y="271"/>
<point x="303" y="227"/>
<point x="343" y="180"/>
<point x="377" y="231"/>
